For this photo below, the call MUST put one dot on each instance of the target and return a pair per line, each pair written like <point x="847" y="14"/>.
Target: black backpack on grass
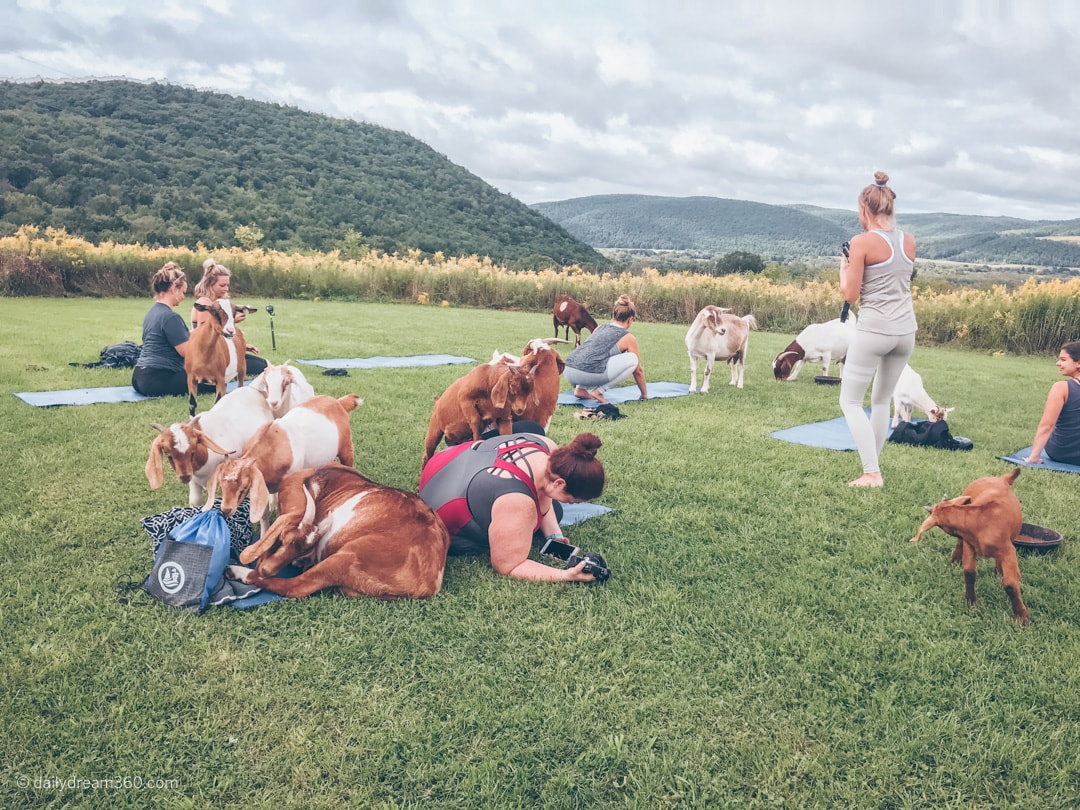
<point x="929" y="434"/>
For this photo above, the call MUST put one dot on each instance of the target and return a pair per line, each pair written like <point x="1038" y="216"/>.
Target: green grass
<point x="769" y="638"/>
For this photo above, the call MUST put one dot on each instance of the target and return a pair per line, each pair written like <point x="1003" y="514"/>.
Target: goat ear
<point x="155" y="464"/>
<point x="501" y="389"/>
<point x="259" y="495"/>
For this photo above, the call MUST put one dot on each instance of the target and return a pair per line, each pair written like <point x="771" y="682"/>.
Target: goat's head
<point x="939" y="414"/>
<point x="186" y="448"/>
<point x="221" y="316"/>
<point x="274" y="383"/>
<point x="714" y="319"/>
<point x="238" y="478"/>
<point x="513" y="387"/>
<point x="290" y="537"/>
<point x="784" y="362"/>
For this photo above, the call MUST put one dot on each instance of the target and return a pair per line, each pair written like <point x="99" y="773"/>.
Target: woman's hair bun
<point x="585" y="445"/>
<point x="881" y="178"/>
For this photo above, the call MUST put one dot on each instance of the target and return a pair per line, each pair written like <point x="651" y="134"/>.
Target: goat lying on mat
<point x="986" y="519"/>
<point x="349" y="533"/>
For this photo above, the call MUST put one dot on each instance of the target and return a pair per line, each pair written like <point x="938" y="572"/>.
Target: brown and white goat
<point x="819" y="341"/>
<point x="910" y="394"/>
<point x="349" y="533"/>
<point x="216" y="350"/>
<point x="985" y="519"/>
<point x="314" y="432"/>
<point x="284" y="387"/>
<point x="194" y="449"/>
<point x="487" y="394"/>
<point x="570" y="314"/>
<point x="716" y="334"/>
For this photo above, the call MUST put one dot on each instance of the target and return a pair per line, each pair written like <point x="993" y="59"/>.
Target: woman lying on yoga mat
<point x="877" y="275"/>
<point x="496" y="494"/>
<point x="213" y="285"/>
<point x="159" y="368"/>
<point x="1059" y="429"/>
<point x="608" y="357"/>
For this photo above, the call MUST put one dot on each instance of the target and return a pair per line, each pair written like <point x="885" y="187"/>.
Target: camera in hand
<point x="594" y="563"/>
<point x="846" y="249"/>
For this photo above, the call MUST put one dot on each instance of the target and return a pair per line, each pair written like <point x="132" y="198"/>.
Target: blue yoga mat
<point x="832" y="434"/>
<point x="87" y="396"/>
<point x="390" y="362"/>
<point x="572" y="513"/>
<point x="629" y="393"/>
<point x="1019" y="456"/>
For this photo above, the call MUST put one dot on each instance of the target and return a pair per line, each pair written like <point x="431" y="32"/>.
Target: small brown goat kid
<point x="348" y="533"/>
<point x="488" y="393"/>
<point x="209" y="356"/>
<point x="569" y="313"/>
<point x="985" y="519"/>
<point x="546" y="367"/>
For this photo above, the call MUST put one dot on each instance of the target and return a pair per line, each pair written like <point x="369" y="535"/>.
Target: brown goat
<point x="209" y="356"/>
<point x="546" y="366"/>
<point x="986" y="518"/>
<point x="348" y="533"/>
<point x="569" y="313"/>
<point x="488" y="393"/>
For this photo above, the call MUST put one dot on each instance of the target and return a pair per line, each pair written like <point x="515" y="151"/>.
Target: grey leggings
<point x="880" y="358"/>
<point x="619" y="367"/>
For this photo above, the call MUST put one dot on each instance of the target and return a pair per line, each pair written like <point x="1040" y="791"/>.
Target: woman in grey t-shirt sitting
<point x="608" y="357"/>
<point x="159" y="369"/>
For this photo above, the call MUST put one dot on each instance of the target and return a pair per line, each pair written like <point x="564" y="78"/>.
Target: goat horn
<point x="309" y="510"/>
<point x="550" y="341"/>
<point x="158" y="427"/>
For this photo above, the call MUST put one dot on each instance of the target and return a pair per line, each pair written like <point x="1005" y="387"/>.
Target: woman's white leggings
<point x="619" y="367"/>
<point x="880" y="358"/>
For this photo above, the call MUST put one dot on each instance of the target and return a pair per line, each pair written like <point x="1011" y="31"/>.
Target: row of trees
<point x="165" y="165"/>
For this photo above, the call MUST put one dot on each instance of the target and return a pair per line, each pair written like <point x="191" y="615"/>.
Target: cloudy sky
<point x="971" y="106"/>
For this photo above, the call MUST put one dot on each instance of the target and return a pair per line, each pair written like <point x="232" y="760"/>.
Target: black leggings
<point x="158" y="382"/>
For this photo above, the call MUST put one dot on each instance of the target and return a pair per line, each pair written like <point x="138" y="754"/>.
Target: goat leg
<point x="1010" y="574"/>
<point x="969" y="574"/>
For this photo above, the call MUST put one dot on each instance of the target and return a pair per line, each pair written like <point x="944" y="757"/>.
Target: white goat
<point x="196" y="448"/>
<point x="315" y="432"/>
<point x="284" y="387"/>
<point x="910" y="394"/>
<point x="819" y="341"/>
<point x="716" y="334"/>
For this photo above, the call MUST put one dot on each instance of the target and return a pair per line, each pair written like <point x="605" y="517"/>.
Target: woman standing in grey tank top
<point x="878" y="276"/>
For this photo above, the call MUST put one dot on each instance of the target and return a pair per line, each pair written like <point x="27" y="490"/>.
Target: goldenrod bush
<point x="1036" y="317"/>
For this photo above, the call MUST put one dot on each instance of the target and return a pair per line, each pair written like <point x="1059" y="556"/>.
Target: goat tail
<point x="350" y="402"/>
<point x="750" y="321"/>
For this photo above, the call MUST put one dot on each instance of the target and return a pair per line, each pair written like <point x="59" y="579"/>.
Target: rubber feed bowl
<point x="827" y="380"/>
<point x="1037" y="537"/>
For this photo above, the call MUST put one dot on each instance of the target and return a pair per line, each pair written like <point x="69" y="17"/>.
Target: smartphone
<point x="846" y="249"/>
<point x="559" y="549"/>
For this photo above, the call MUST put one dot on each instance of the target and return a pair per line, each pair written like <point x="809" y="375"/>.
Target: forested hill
<point x="161" y="164"/>
<point x="785" y="232"/>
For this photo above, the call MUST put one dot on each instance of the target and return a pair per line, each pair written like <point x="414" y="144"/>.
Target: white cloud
<point x="780" y="101"/>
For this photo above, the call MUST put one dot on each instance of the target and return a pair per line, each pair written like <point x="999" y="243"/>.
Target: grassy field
<point x="769" y="637"/>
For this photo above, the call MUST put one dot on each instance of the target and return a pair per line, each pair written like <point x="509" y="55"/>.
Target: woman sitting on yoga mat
<point x="497" y="494"/>
<point x="213" y="285"/>
<point x="608" y="357"/>
<point x="878" y="275"/>
<point x="159" y="368"/>
<point x="1059" y="429"/>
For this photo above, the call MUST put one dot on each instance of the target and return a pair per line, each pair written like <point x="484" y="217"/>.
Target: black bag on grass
<point x="929" y="434"/>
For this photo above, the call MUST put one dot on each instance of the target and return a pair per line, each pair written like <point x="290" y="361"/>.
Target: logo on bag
<point x="170" y="577"/>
